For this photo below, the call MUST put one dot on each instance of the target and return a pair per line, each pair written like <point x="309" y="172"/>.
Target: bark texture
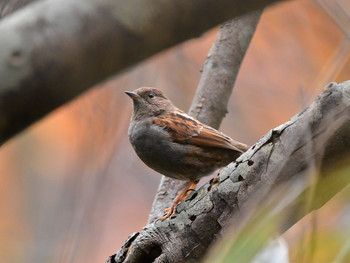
<point x="316" y="139"/>
<point x="220" y="71"/>
<point x="51" y="51"/>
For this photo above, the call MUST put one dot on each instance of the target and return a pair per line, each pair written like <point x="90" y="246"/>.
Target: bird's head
<point x="149" y="102"/>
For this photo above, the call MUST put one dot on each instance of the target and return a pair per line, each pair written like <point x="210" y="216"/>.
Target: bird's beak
<point x="131" y="94"/>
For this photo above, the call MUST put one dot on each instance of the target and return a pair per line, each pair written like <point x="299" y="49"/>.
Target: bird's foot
<point x="181" y="196"/>
<point x="167" y="213"/>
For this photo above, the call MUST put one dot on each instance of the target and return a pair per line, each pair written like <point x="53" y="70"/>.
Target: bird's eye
<point x="151" y="95"/>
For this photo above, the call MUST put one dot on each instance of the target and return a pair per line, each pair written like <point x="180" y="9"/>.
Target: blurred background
<point x="72" y="189"/>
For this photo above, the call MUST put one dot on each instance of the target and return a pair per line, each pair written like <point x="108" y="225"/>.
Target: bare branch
<point x="221" y="69"/>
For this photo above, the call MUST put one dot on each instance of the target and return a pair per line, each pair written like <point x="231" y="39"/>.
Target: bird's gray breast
<point x="156" y="149"/>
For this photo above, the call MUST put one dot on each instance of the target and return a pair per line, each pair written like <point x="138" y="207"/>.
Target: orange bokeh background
<point x="72" y="189"/>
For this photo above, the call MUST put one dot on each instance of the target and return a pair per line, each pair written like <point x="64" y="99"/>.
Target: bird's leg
<point x="179" y="198"/>
<point x="190" y="189"/>
<point x="168" y="212"/>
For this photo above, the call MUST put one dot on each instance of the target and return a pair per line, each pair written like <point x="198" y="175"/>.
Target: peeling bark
<point x="317" y="138"/>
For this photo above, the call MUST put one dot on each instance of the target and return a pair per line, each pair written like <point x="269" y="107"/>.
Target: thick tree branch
<point x="51" y="51"/>
<point x="220" y="71"/>
<point x="317" y="138"/>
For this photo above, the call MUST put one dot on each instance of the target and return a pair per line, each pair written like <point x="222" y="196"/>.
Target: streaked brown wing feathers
<point x="184" y="129"/>
<point x="212" y="138"/>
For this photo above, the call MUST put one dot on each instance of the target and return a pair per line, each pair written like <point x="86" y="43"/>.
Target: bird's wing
<point x="186" y="130"/>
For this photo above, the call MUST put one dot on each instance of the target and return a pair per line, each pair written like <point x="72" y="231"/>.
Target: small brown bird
<point x="174" y="144"/>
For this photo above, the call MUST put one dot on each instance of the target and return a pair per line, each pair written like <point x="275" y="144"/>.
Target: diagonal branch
<point x="283" y="155"/>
